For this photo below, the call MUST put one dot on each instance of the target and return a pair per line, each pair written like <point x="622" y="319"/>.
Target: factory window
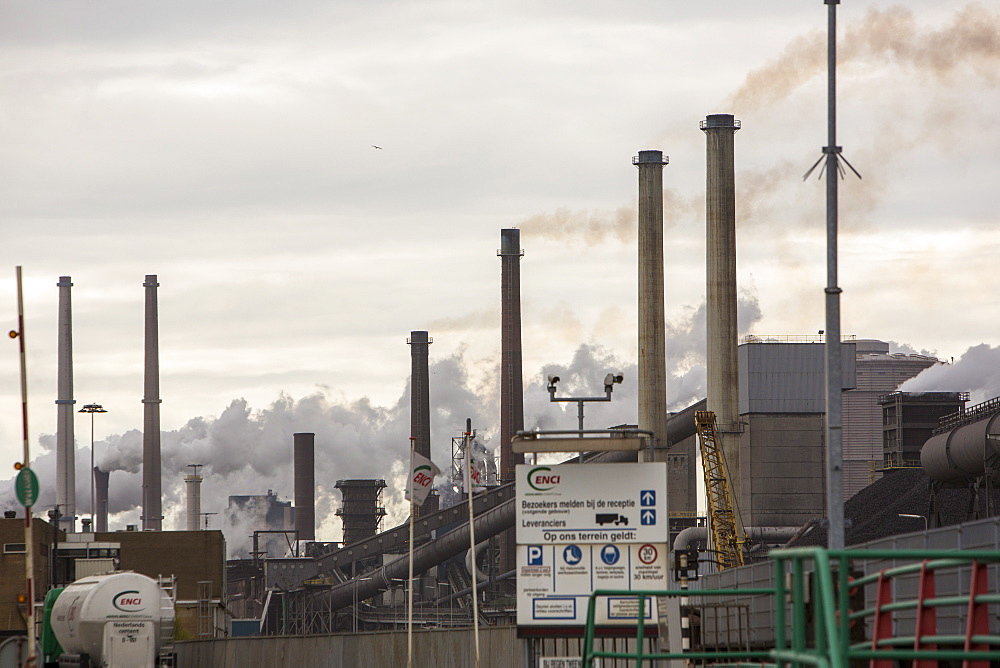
<point x="13" y="548"/>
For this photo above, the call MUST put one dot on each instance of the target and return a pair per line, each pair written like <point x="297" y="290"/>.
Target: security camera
<point x="613" y="378"/>
<point x="553" y="380"/>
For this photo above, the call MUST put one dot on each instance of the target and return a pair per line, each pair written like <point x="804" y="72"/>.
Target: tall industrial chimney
<point x="65" y="441"/>
<point x="722" y="332"/>
<point x="152" y="504"/>
<point x="305" y="485"/>
<point x="652" y="327"/>
<point x="101" y="479"/>
<point x="511" y="386"/>
<point x="420" y="403"/>
<point x="192" y="483"/>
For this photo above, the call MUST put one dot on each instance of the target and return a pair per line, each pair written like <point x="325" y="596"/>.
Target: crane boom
<point x="726" y="533"/>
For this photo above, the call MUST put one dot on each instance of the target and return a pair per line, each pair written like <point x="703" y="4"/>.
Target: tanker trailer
<point x="119" y="620"/>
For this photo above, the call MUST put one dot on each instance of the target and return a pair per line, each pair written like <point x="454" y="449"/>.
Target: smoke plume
<point x="977" y="372"/>
<point x="972" y="39"/>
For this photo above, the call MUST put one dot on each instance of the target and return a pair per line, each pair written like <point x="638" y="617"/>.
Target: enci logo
<point x="542" y="478"/>
<point x="128" y="601"/>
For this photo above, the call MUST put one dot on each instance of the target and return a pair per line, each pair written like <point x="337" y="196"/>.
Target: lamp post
<point x="916" y="517"/>
<point x="609" y="382"/>
<point x="92" y="408"/>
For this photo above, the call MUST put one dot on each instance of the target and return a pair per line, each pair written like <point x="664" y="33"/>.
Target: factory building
<point x="909" y="419"/>
<point x="878" y="372"/>
<point x="192" y="561"/>
<point x="782" y="465"/>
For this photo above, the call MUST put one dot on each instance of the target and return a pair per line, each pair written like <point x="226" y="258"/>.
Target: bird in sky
<point x="378" y="147"/>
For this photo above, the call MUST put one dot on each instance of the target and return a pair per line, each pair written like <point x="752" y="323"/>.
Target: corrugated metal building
<point x="782" y="405"/>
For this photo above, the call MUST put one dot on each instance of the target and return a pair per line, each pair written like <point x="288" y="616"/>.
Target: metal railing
<point x="813" y="596"/>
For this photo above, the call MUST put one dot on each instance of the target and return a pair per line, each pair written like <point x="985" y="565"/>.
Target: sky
<point x="230" y="149"/>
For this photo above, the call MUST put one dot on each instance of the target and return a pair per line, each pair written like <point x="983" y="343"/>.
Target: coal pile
<point x="874" y="511"/>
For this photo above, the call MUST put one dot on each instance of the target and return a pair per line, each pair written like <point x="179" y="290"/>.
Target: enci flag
<point x="422" y="473"/>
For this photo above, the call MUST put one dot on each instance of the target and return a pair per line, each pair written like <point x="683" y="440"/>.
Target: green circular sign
<point x="26" y="486"/>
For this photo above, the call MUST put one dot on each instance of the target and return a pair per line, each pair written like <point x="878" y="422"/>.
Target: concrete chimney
<point x="420" y="403"/>
<point x="305" y="485"/>
<point x="65" y="440"/>
<point x="152" y="503"/>
<point x="722" y="332"/>
<point x="652" y="329"/>
<point x="101" y="479"/>
<point x="511" y="385"/>
<point x="192" y="484"/>
<point x="511" y="382"/>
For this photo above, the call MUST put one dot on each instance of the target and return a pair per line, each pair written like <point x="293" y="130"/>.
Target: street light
<point x="916" y="517"/>
<point x="92" y="408"/>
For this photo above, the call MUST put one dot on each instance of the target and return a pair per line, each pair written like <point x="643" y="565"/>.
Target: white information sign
<point x="592" y="503"/>
<point x="554" y="581"/>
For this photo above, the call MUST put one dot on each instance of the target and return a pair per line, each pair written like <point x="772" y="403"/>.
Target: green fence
<point x="814" y="621"/>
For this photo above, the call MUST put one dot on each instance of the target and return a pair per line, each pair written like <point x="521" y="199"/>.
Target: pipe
<point x="768" y="534"/>
<point x="152" y="503"/>
<point x="487" y="525"/>
<point x="721" y="325"/>
<point x="65" y="440"/>
<point x="101" y="479"/>
<point x="304" y="446"/>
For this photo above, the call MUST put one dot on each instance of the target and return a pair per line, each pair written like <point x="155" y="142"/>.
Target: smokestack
<point x="511" y="387"/>
<point x="305" y="485"/>
<point x="652" y="328"/>
<point x="720" y="228"/>
<point x="101" y="479"/>
<point x="65" y="440"/>
<point x="511" y="382"/>
<point x="420" y="403"/>
<point x="192" y="483"/>
<point x="152" y="504"/>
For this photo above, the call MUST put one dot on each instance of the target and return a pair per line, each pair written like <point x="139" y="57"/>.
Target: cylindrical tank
<point x="105" y="615"/>
<point x="961" y="452"/>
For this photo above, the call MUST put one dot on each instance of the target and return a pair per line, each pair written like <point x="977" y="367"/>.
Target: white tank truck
<point x="120" y="620"/>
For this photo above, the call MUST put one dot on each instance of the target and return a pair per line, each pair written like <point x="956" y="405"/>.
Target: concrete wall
<point x="788" y="377"/>
<point x="498" y="647"/>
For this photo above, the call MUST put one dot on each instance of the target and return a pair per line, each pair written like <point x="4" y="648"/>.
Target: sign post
<point x="583" y="527"/>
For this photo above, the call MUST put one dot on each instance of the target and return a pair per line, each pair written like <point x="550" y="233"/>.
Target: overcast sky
<point x="228" y="148"/>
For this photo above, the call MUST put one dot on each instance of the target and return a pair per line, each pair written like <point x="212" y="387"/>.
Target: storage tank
<point x="961" y="452"/>
<point x="119" y="619"/>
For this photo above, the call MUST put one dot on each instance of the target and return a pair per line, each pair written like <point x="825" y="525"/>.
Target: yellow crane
<point x="727" y="535"/>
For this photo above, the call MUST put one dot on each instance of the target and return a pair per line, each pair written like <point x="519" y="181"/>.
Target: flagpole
<point x="409" y="604"/>
<point x="472" y="533"/>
